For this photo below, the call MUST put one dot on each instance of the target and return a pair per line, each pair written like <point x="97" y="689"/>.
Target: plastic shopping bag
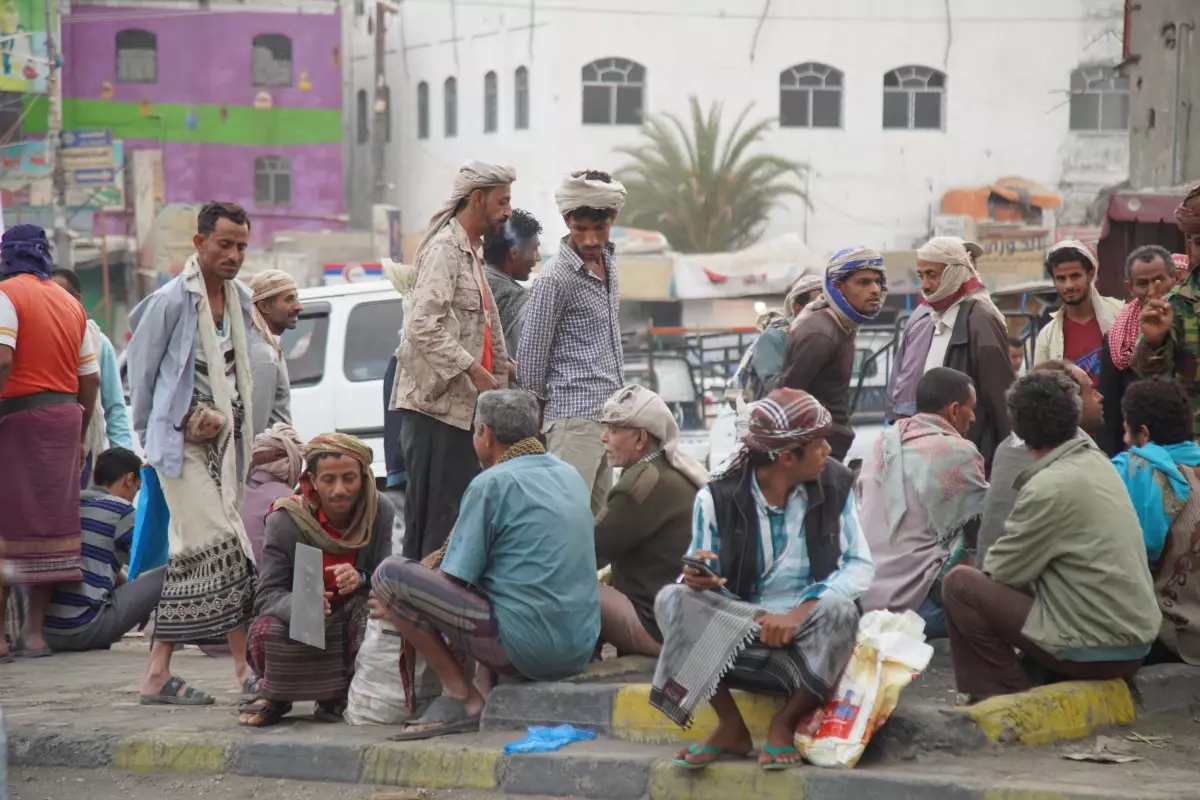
<point x="376" y="692"/>
<point x="149" y="549"/>
<point x="542" y="739"/>
<point x="890" y="653"/>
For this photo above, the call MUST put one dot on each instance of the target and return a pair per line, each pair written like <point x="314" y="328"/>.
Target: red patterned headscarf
<point x="783" y="420"/>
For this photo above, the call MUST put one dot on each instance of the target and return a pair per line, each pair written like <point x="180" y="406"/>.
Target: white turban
<point x="638" y="407"/>
<point x="471" y="176"/>
<point x="578" y="192"/>
<point x="953" y="252"/>
<point x="263" y="286"/>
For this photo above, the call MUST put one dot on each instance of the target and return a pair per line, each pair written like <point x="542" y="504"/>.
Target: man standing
<point x="1170" y="343"/>
<point x="820" y="348"/>
<point x="48" y="371"/>
<point x="277" y="309"/>
<point x="758" y="372"/>
<point x="957" y="326"/>
<point x="921" y="498"/>
<point x="453" y="350"/>
<point x="509" y="255"/>
<point x="109" y="426"/>
<point x="1149" y="272"/>
<point x="189" y="369"/>
<point x="1076" y="331"/>
<point x="570" y="355"/>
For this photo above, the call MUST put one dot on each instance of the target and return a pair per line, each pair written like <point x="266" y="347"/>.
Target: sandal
<point x="251" y="687"/>
<point x="718" y="753"/>
<point x="447" y="715"/>
<point x="169" y="695"/>
<point x="330" y="711"/>
<point x="775" y="764"/>
<point x="267" y="712"/>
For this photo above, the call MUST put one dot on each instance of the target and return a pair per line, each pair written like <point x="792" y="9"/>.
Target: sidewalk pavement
<point x="81" y="710"/>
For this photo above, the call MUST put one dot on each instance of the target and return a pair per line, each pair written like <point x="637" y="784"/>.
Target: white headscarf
<point x="471" y="176"/>
<point x="952" y="251"/>
<point x="638" y="407"/>
<point x="578" y="192"/>
<point x="265" y="285"/>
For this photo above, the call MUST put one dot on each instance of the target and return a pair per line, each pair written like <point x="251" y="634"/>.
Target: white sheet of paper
<point x="308" y="598"/>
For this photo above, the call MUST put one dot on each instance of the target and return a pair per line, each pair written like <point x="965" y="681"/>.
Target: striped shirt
<point x="785" y="573"/>
<point x="107" y="530"/>
<point x="570" y="352"/>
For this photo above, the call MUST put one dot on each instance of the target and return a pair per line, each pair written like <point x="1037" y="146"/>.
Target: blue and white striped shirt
<point x="785" y="573"/>
<point x="106" y="523"/>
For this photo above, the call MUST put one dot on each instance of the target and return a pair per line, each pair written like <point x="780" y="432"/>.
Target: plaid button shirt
<point x="570" y="351"/>
<point x="1179" y="356"/>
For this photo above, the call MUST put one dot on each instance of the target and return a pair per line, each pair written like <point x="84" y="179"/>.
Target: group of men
<point x="986" y="507"/>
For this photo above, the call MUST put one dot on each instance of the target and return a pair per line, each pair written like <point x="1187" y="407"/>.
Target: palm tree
<point x="703" y="196"/>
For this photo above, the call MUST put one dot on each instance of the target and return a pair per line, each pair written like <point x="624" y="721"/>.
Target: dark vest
<point x="737" y="524"/>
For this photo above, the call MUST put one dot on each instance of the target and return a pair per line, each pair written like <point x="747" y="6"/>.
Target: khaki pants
<point x="621" y="626"/>
<point x="577" y="442"/>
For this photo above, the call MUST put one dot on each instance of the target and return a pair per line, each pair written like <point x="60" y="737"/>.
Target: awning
<point x="1148" y="206"/>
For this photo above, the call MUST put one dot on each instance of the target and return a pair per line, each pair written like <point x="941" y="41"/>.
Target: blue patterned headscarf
<point x="25" y="249"/>
<point x="845" y="262"/>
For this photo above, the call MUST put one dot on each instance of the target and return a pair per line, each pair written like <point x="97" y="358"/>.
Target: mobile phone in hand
<point x="704" y="569"/>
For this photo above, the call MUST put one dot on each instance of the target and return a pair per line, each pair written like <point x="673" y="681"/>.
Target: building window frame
<point x="617" y="86"/>
<point x="423" y="110"/>
<point x="915" y="86"/>
<point x="450" y="107"/>
<point x="813" y="85"/>
<point x="491" y="102"/>
<point x="272" y="181"/>
<point x="273" y="60"/>
<point x="137" y="56"/>
<point x="521" y="98"/>
<point x="1100" y="98"/>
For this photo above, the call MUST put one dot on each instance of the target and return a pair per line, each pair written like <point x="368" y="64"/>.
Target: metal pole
<point x="383" y="102"/>
<point x="108" y="315"/>
<point x="62" y="237"/>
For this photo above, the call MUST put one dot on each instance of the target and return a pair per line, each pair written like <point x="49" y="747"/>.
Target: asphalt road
<point x="68" y="784"/>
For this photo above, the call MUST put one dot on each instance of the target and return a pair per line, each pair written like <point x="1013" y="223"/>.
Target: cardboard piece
<point x="308" y="598"/>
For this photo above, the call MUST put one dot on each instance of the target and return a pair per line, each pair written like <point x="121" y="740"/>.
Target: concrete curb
<point x="632" y="773"/>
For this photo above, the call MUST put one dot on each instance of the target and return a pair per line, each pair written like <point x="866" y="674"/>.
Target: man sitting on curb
<point x="96" y="612"/>
<point x="646" y="522"/>
<point x="779" y="523"/>
<point x="921" y="499"/>
<point x="1160" y="471"/>
<point x="1067" y="584"/>
<point x="516" y="589"/>
<point x="1013" y="456"/>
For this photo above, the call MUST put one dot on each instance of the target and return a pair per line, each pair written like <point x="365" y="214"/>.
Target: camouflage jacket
<point x="444" y="331"/>
<point x="1179" y="356"/>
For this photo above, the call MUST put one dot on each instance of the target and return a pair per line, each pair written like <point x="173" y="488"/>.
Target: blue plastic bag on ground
<point x="150" y="548"/>
<point x="543" y="740"/>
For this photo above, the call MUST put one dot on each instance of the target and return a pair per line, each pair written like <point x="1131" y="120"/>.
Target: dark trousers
<point x="984" y="619"/>
<point x="440" y="460"/>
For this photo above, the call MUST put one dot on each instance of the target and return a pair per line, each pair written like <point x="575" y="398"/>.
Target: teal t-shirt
<point x="525" y="538"/>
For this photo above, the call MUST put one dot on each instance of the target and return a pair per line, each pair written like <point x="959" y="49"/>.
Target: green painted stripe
<point x="245" y="125"/>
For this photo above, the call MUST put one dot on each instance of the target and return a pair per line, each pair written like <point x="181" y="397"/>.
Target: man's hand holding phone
<point x="698" y="575"/>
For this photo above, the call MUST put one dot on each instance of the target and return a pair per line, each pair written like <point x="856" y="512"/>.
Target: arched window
<point x="272" y="60"/>
<point x="521" y="99"/>
<point x="810" y="96"/>
<point x="914" y="98"/>
<point x="491" y="103"/>
<point x="272" y="180"/>
<point x="362" y="131"/>
<point x="1099" y="99"/>
<point x="137" y="56"/>
<point x="450" y="123"/>
<point x="614" y="92"/>
<point x="422" y="110"/>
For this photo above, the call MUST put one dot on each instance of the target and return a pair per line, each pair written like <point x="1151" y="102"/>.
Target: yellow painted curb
<point x="722" y="781"/>
<point x="635" y="720"/>
<point x="1051" y="713"/>
<point x="188" y="753"/>
<point x="1026" y="794"/>
<point x="432" y="766"/>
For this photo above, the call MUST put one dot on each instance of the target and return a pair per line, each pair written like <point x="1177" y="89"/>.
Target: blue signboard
<point x="98" y="138"/>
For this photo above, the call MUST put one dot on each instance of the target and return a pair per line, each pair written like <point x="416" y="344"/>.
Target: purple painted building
<point x="244" y="101"/>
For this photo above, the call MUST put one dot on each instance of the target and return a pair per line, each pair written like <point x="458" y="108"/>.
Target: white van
<point x="336" y="358"/>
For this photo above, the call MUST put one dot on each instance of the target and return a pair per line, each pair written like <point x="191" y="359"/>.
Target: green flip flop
<point x="700" y="750"/>
<point x="775" y="765"/>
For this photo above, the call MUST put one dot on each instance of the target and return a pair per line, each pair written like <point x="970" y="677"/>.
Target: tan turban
<point x="638" y="407"/>
<point x="960" y="271"/>
<point x="265" y="285"/>
<point x="472" y="176"/>
<point x="278" y="451"/>
<point x="578" y="192"/>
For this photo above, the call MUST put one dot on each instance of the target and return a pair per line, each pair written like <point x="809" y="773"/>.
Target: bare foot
<point x="728" y="738"/>
<point x="781" y="736"/>
<point x="33" y="641"/>
<point x="264" y="712"/>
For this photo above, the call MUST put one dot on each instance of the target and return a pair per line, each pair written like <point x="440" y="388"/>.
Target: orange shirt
<point x="50" y="338"/>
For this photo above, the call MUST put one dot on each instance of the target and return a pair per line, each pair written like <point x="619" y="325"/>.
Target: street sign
<point x="96" y="138"/>
<point x="91" y="177"/>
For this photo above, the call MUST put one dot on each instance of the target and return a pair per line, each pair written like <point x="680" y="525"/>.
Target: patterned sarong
<point x="294" y="672"/>
<point x="39" y="496"/>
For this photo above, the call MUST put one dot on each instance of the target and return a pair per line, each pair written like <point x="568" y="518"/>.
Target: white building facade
<point x="890" y="102"/>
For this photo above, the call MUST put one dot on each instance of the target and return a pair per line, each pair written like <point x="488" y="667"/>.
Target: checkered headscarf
<point x="783" y="420"/>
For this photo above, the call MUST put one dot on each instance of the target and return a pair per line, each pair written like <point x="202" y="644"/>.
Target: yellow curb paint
<point x="635" y="720"/>
<point x="1052" y="713"/>
<point x="1026" y="794"/>
<point x="429" y="765"/>
<point x="616" y="668"/>
<point x="724" y="780"/>
<point x="187" y="753"/>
